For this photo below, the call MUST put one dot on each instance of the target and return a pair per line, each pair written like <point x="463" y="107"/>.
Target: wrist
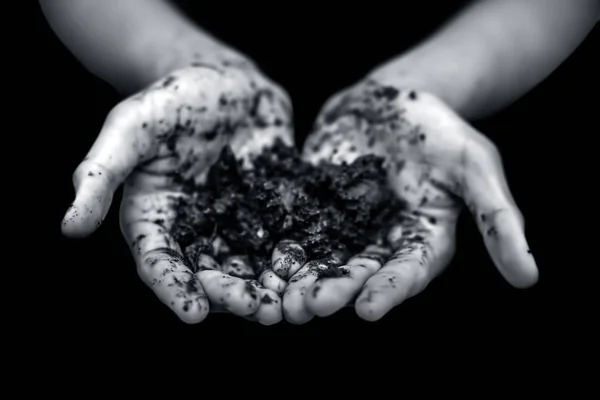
<point x="183" y="50"/>
<point x="448" y="85"/>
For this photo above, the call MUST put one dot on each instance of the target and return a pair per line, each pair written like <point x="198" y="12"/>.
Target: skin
<point x="132" y="43"/>
<point x="493" y="52"/>
<point x="436" y="163"/>
<point x="173" y="72"/>
<point x="170" y="133"/>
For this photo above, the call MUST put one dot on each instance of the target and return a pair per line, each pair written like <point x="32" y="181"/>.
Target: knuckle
<point x="483" y="150"/>
<point x="128" y="109"/>
<point x="520" y="218"/>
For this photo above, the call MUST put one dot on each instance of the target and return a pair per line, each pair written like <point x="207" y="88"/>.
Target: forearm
<point x="130" y="43"/>
<point x="494" y="52"/>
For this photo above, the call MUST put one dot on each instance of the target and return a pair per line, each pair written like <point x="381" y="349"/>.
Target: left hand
<point x="436" y="162"/>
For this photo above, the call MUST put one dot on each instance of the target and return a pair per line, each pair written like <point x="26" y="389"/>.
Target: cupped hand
<point x="157" y="141"/>
<point x="436" y="162"/>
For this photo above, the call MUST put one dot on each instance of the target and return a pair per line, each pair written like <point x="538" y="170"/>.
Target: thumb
<point x="499" y="220"/>
<point x="122" y="143"/>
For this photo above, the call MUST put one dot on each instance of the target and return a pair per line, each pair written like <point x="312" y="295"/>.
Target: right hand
<point x="169" y="133"/>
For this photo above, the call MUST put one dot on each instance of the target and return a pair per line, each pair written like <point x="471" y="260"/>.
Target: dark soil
<point x="333" y="211"/>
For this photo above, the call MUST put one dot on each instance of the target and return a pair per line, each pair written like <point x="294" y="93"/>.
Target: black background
<point x="545" y="139"/>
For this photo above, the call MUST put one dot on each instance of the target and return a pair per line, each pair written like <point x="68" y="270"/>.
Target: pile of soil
<point x="333" y="211"/>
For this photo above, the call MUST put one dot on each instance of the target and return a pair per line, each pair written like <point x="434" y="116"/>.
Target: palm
<point x="435" y="161"/>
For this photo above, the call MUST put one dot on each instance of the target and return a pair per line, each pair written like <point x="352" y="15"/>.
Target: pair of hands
<point x="174" y="130"/>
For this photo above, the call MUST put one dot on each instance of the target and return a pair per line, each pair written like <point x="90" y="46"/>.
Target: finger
<point x="288" y="257"/>
<point x="426" y="248"/>
<point x="203" y="261"/>
<point x="499" y="220"/>
<point x="294" y="307"/>
<point x="328" y="295"/>
<point x="269" y="309"/>
<point x="272" y="281"/>
<point x="120" y="145"/>
<point x="238" y="266"/>
<point x="162" y="267"/>
<point x="235" y="294"/>
<point x="160" y="262"/>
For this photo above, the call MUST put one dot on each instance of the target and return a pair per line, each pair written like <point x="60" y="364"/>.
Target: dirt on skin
<point x="332" y="211"/>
